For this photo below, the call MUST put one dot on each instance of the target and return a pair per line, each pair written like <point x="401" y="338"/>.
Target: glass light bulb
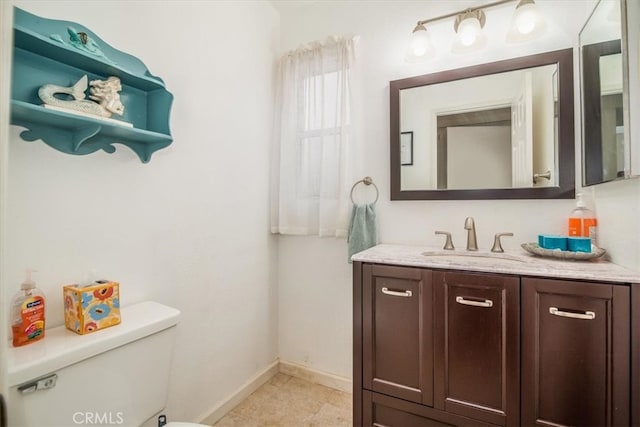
<point x="468" y="31"/>
<point x="420" y="42"/>
<point x="526" y="17"/>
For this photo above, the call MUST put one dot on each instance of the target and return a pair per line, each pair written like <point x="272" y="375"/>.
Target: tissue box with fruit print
<point x="88" y="308"/>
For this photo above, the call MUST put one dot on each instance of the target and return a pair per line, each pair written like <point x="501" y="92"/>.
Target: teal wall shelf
<point x="39" y="59"/>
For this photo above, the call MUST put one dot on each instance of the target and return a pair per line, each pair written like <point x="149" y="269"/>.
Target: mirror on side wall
<point x="604" y="95"/>
<point x="501" y="130"/>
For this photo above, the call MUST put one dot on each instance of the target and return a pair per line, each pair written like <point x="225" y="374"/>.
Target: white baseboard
<point x="318" y="377"/>
<point x="242" y="393"/>
<point x="289" y="368"/>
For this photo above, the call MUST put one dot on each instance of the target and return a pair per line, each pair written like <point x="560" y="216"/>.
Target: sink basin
<point x="484" y="258"/>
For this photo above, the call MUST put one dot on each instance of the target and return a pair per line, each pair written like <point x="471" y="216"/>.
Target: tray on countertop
<point x="535" y="249"/>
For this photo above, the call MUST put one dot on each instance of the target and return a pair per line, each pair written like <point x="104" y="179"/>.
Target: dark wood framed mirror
<point x="458" y="120"/>
<point x="603" y="140"/>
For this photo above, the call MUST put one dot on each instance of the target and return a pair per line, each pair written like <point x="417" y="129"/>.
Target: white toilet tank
<point x="118" y="376"/>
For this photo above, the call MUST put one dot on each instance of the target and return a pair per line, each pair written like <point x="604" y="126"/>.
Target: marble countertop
<point x="517" y="262"/>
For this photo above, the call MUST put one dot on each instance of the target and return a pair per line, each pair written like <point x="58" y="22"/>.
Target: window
<point x="312" y="140"/>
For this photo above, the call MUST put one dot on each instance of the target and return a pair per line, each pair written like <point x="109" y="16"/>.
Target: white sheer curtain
<point x="313" y="140"/>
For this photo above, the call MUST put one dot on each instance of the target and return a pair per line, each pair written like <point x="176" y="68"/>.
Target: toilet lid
<point x="178" y="424"/>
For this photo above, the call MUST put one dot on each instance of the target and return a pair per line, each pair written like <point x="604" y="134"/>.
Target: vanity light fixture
<point x="525" y="16"/>
<point x="420" y="44"/>
<point x="469" y="34"/>
<point x="526" y="24"/>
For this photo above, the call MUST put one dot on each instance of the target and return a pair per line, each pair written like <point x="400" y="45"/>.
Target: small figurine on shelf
<point x="103" y="92"/>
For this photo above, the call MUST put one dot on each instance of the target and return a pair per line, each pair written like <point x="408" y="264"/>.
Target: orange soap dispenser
<point x="582" y="221"/>
<point x="27" y="313"/>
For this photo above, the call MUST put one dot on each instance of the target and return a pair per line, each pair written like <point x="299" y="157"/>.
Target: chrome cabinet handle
<point x="485" y="303"/>
<point x="588" y="315"/>
<point x="396" y="293"/>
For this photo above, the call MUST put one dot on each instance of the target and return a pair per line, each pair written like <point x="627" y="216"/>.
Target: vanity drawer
<point x="381" y="410"/>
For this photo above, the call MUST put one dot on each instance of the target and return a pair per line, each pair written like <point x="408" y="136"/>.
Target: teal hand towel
<point x="363" y="232"/>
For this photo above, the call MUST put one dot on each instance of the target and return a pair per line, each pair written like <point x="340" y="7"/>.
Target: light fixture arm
<point x="468" y="10"/>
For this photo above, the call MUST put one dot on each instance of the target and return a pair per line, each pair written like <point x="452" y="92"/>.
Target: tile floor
<point x="286" y="401"/>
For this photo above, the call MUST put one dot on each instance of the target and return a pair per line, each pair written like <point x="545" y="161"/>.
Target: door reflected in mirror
<point x="603" y="141"/>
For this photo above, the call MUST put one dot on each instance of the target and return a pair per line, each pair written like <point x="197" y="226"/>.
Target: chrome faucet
<point x="470" y="226"/>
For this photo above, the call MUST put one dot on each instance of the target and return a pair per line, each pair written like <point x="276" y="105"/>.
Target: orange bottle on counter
<point x="582" y="221"/>
<point x="27" y="314"/>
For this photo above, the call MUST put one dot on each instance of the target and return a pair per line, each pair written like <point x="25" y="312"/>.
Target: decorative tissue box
<point x="88" y="308"/>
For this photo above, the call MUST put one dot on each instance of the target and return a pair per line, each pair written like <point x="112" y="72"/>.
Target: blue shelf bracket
<point x="79" y="141"/>
<point x="85" y="133"/>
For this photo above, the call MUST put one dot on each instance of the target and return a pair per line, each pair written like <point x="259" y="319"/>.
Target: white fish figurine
<point x="103" y="92"/>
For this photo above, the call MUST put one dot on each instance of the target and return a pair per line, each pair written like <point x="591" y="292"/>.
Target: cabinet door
<point x="397" y="332"/>
<point x="477" y="339"/>
<point x="575" y="353"/>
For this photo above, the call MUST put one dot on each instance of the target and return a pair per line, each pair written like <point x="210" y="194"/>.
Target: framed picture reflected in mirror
<point x="406" y="148"/>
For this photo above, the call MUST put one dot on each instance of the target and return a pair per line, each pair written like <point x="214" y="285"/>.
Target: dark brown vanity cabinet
<point x="477" y="345"/>
<point x="575" y="353"/>
<point x="439" y="347"/>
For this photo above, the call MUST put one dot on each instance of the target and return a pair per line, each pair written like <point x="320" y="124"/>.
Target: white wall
<point x="384" y="28"/>
<point x="617" y="206"/>
<point x="189" y="229"/>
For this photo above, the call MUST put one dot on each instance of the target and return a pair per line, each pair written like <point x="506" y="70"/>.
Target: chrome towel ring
<point x="366" y="181"/>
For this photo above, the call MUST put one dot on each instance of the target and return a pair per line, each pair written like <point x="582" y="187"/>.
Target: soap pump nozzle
<point x="28" y="282"/>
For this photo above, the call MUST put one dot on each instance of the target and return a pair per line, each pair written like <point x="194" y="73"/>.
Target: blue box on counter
<point x="579" y="244"/>
<point x="552" y="242"/>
